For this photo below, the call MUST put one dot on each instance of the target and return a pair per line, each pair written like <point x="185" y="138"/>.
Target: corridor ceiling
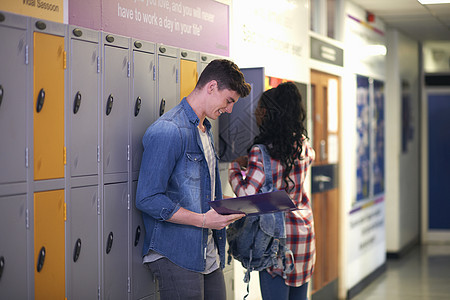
<point x="419" y="22"/>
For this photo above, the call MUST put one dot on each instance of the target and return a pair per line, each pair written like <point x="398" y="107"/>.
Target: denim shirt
<point x="173" y="174"/>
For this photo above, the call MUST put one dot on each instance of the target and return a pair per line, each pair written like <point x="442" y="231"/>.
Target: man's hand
<point x="215" y="220"/>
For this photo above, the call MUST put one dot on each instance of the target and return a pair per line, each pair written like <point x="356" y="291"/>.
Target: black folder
<point x="257" y="204"/>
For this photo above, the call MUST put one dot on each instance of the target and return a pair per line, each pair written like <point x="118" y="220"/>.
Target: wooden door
<point x="325" y="91"/>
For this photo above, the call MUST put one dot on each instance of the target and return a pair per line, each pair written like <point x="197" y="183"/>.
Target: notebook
<point x="257" y="204"/>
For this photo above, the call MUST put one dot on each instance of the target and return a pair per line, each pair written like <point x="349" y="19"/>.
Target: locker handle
<point x="77" y="250"/>
<point x="109" y="243"/>
<point x="76" y="103"/>
<point x="138" y="235"/>
<point x="2" y="265"/>
<point x="137" y="106"/>
<point x="41" y="259"/>
<point x="109" y="104"/>
<point x="2" y="17"/>
<point x="40" y="100"/>
<point x="1" y="94"/>
<point x="162" y="107"/>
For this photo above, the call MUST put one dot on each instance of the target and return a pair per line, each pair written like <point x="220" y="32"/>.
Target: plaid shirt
<point x="299" y="223"/>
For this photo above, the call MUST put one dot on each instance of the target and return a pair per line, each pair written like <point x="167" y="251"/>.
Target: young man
<point x="184" y="244"/>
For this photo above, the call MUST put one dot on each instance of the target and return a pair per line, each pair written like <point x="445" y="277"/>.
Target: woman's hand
<point x="242" y="161"/>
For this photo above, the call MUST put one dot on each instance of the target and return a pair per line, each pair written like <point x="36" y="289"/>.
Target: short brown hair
<point x="227" y="75"/>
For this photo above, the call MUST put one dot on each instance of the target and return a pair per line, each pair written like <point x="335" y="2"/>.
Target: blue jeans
<point x="176" y="283"/>
<point x="275" y="288"/>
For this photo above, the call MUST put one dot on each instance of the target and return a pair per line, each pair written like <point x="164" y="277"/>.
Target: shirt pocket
<point x="194" y="163"/>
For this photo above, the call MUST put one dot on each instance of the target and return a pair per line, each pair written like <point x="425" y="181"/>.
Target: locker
<point x="82" y="256"/>
<point x="115" y="241"/>
<point x="13" y="247"/>
<point x="49" y="263"/>
<point x="143" y="100"/>
<point x="84" y="81"/>
<point x="48" y="106"/>
<point x="116" y="70"/>
<point x="188" y="72"/>
<point x="168" y="84"/>
<point x="238" y="129"/>
<point x="13" y="95"/>
<point x="143" y="283"/>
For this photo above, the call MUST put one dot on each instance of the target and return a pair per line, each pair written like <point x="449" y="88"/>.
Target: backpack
<point x="259" y="242"/>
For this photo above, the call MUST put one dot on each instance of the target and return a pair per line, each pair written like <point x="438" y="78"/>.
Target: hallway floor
<point x="421" y="274"/>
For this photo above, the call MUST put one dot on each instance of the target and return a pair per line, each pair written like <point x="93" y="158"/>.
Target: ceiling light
<point x="434" y="1"/>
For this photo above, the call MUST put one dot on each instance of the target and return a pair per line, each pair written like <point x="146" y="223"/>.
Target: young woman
<point x="280" y="116"/>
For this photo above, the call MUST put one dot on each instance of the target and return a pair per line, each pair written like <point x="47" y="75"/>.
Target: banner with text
<point x="51" y="10"/>
<point x="190" y="24"/>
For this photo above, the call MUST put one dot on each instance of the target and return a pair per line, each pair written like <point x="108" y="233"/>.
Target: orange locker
<point x="49" y="267"/>
<point x="48" y="116"/>
<point x="188" y="77"/>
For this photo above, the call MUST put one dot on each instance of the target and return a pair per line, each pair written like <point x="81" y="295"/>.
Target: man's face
<point x="222" y="101"/>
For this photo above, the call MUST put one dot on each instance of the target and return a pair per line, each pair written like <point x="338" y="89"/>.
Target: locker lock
<point x="109" y="104"/>
<point x="109" y="38"/>
<point x="77" y="32"/>
<point x="77" y="250"/>
<point x="162" y="107"/>
<point x="40" y="25"/>
<point x="109" y="243"/>
<point x="138" y="235"/>
<point x="184" y="53"/>
<point x="41" y="259"/>
<point x="2" y="265"/>
<point x="40" y="100"/>
<point x="162" y="49"/>
<point x="204" y="57"/>
<point x="2" y="17"/>
<point x="137" y="106"/>
<point x="1" y="94"/>
<point x="138" y="44"/>
<point x="76" y="103"/>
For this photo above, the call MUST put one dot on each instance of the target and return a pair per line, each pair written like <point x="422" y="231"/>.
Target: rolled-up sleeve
<point x="162" y="149"/>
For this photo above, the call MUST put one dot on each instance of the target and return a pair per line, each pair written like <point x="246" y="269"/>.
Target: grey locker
<point x="115" y="241"/>
<point x="143" y="100"/>
<point x="13" y="96"/>
<point x="116" y="71"/>
<point x="142" y="281"/>
<point x="82" y="258"/>
<point x="83" y="101"/>
<point x="238" y="129"/>
<point x="168" y="84"/>
<point x="13" y="247"/>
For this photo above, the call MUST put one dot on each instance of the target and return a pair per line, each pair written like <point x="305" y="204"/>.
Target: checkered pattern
<point x="299" y="223"/>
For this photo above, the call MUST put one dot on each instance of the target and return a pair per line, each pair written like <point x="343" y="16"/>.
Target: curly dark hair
<point x="281" y="123"/>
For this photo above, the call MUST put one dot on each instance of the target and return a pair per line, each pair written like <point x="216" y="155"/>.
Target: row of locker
<point x="74" y="105"/>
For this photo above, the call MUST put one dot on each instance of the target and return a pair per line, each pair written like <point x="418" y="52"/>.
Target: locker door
<point x="83" y="245"/>
<point x="238" y="129"/>
<point x="49" y="269"/>
<point x="83" y="110"/>
<point x="167" y="82"/>
<point x="13" y="104"/>
<point x="143" y="102"/>
<point x="142" y="279"/>
<point x="188" y="77"/>
<point x="13" y="248"/>
<point x="115" y="241"/>
<point x="115" y="108"/>
<point x="48" y="106"/>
